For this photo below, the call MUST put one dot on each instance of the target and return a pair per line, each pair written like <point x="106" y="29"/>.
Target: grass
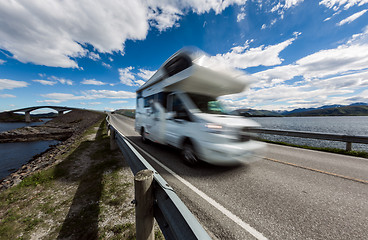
<point x="324" y="149"/>
<point x="86" y="196"/>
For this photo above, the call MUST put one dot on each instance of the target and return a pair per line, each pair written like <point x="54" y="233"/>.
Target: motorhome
<point x="179" y="106"/>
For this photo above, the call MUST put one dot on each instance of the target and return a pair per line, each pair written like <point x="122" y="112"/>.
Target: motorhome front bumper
<point x="230" y="154"/>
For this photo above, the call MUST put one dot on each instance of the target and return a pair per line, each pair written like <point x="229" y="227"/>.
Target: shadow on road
<point x="171" y="158"/>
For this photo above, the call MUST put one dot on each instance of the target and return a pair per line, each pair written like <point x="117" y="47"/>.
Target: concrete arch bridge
<point x="27" y="111"/>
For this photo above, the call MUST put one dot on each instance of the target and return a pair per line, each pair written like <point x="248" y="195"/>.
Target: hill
<point x="45" y="115"/>
<point x="126" y="112"/>
<point x="257" y="113"/>
<point x="334" y="111"/>
<point x="355" y="109"/>
<point x="11" y="117"/>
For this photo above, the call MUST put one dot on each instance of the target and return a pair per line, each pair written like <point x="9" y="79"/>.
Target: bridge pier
<point x="28" y="116"/>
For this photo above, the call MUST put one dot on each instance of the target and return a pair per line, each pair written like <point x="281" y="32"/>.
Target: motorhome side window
<point x="177" y="64"/>
<point x="159" y="97"/>
<point x="179" y="108"/>
<point x="162" y="98"/>
<point x="148" y="100"/>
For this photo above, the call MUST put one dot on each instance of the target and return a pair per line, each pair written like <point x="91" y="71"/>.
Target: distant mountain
<point x="359" y="104"/>
<point x="257" y="113"/>
<point x="355" y="109"/>
<point x="299" y="110"/>
<point x="334" y="111"/>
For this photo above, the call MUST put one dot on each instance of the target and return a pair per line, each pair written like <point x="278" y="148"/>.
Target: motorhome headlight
<point x="213" y="128"/>
<point x="226" y="131"/>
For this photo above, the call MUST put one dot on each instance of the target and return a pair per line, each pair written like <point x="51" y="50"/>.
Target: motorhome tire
<point x="188" y="154"/>
<point x="143" y="136"/>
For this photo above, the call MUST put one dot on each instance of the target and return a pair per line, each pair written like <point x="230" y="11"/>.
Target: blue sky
<point x="95" y="54"/>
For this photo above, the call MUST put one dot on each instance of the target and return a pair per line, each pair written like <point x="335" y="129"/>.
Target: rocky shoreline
<point x="66" y="128"/>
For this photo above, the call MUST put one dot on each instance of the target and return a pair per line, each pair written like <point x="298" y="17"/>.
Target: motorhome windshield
<point x="207" y="104"/>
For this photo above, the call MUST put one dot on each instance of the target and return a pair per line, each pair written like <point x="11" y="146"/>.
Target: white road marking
<point x="211" y="201"/>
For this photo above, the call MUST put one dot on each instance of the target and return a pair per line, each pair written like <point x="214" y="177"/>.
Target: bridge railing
<point x="173" y="217"/>
<point x="315" y="135"/>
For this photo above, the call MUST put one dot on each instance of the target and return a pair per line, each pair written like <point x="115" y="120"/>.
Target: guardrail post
<point x="113" y="145"/>
<point x="144" y="205"/>
<point x="348" y="146"/>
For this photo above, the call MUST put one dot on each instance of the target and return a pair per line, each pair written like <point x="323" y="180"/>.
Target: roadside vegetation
<point x="126" y="112"/>
<point x="325" y="149"/>
<point x="86" y="196"/>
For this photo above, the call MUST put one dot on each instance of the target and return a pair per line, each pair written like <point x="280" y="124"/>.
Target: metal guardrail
<point x="173" y="217"/>
<point x="315" y="135"/>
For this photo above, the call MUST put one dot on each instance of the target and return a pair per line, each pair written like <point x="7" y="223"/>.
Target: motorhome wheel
<point x="143" y="136"/>
<point x="189" y="155"/>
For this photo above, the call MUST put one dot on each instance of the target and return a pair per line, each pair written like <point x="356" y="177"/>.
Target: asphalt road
<point x="289" y="193"/>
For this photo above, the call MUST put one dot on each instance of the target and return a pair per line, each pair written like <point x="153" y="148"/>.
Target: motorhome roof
<point x="192" y="76"/>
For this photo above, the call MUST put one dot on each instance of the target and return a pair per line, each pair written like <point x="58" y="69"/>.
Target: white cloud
<point x="91" y="103"/>
<point x="119" y="102"/>
<point x="52" y="33"/>
<point x="329" y="18"/>
<point x="129" y="78"/>
<point x="7" y="96"/>
<point x="241" y="16"/>
<point x="145" y="74"/>
<point x="93" y="94"/>
<point x="92" y="82"/>
<point x="94" y="56"/>
<point x="165" y="14"/>
<point x="11" y="84"/>
<point x="140" y="82"/>
<point x="46" y="82"/>
<point x="244" y="56"/>
<point x="352" y="17"/>
<point x="292" y="3"/>
<point x="126" y="76"/>
<point x="326" y="77"/>
<point x="334" y="61"/>
<point x="284" y="97"/>
<point x="106" y="65"/>
<point x="2" y="61"/>
<point x="48" y="101"/>
<point x="63" y="96"/>
<point x="280" y="8"/>
<point x="56" y="33"/>
<point x="109" y="109"/>
<point x="88" y="95"/>
<point x="61" y="80"/>
<point x="336" y="4"/>
<point x="273" y="22"/>
<point x="352" y="56"/>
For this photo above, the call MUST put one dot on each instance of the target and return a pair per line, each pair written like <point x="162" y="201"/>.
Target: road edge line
<point x="211" y="201"/>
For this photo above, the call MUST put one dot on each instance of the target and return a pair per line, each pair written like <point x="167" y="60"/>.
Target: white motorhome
<point x="178" y="106"/>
